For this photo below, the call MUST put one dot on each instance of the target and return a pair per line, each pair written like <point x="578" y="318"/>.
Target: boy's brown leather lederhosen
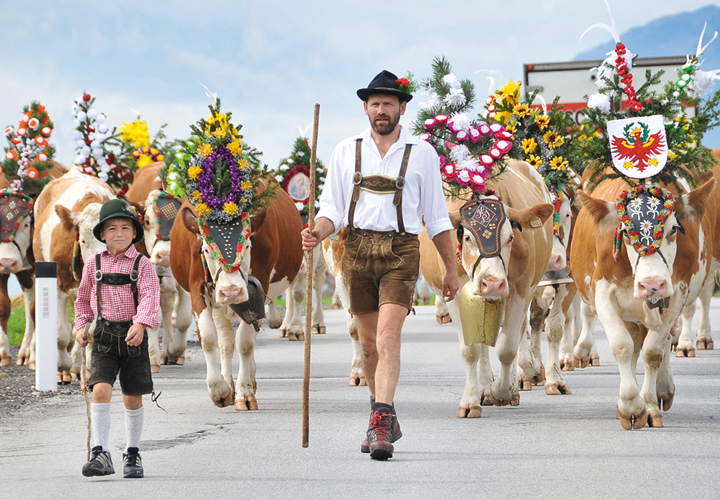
<point x="111" y="353"/>
<point x="380" y="267"/>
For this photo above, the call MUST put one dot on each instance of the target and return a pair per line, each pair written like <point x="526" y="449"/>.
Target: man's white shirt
<point x="422" y="194"/>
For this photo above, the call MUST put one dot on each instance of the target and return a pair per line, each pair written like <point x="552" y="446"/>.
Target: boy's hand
<point x="83" y="339"/>
<point x="135" y="334"/>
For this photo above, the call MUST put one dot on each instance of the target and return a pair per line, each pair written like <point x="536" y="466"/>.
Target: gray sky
<point x="271" y="61"/>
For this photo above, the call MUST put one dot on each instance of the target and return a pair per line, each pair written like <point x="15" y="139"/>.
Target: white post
<point x="46" y="326"/>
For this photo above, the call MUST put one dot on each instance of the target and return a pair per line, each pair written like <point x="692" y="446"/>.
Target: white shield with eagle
<point x="638" y="146"/>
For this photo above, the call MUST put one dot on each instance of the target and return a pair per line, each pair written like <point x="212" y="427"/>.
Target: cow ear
<point x="258" y="219"/>
<point x="531" y="217"/>
<point x="189" y="220"/>
<point x="694" y="202"/>
<point x="603" y="212"/>
<point x="66" y="217"/>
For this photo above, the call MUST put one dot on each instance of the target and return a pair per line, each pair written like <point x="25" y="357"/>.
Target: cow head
<point x="15" y="231"/>
<point x="562" y="220"/>
<point x="160" y="211"/>
<point x="81" y="223"/>
<point x="486" y="229"/>
<point x="226" y="253"/>
<point x="646" y="222"/>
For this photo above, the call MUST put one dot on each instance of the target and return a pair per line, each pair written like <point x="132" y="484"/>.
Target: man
<point x="382" y="184"/>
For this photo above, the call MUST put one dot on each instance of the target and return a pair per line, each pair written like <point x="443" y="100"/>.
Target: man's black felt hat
<point x="384" y="83"/>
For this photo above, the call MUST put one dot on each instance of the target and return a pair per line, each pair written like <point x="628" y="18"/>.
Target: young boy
<point x="119" y="287"/>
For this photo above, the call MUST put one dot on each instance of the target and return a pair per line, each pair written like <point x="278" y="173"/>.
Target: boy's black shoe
<point x="132" y="463"/>
<point x="100" y="464"/>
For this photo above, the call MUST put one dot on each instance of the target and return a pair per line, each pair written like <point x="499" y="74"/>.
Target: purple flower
<point x="205" y="179"/>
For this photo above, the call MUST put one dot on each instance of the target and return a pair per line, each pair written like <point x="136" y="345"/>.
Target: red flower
<point x="403" y="81"/>
<point x="86" y="97"/>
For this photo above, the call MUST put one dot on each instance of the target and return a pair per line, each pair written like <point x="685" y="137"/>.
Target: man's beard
<point x="385" y="129"/>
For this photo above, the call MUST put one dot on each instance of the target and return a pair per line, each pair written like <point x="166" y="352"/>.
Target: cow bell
<point x="252" y="310"/>
<point x="480" y="317"/>
<point x="558" y="277"/>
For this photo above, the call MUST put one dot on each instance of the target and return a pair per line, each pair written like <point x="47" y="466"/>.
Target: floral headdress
<point x="218" y="176"/>
<point x="293" y="174"/>
<point x="28" y="151"/>
<point x="621" y="118"/>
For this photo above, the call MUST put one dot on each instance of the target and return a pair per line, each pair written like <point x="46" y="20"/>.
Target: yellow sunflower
<point x="522" y="110"/>
<point x="194" y="173"/>
<point x="529" y="145"/>
<point x="535" y="161"/>
<point x="552" y="139"/>
<point x="202" y="209"/>
<point x="542" y="121"/>
<point x="558" y="163"/>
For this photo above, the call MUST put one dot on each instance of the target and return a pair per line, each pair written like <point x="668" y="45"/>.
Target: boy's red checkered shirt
<point x="117" y="301"/>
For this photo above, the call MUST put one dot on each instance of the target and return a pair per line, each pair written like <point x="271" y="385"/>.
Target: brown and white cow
<point x="514" y="274"/>
<point x="147" y="190"/>
<point x="616" y="291"/>
<point x="274" y="258"/>
<point x="66" y="212"/>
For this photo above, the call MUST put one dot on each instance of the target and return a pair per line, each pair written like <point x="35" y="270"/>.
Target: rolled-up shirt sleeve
<point x="434" y="208"/>
<point x="148" y="295"/>
<point x="83" y="307"/>
<point x="333" y="197"/>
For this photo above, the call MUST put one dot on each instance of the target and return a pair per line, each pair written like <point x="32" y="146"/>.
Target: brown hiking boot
<point x="378" y="435"/>
<point x="395" y="433"/>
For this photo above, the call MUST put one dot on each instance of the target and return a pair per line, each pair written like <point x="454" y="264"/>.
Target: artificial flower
<point x="456" y="97"/>
<point x="542" y="121"/>
<point x="202" y="210"/>
<point x="522" y="110"/>
<point x="452" y="80"/>
<point x="552" y="139"/>
<point x="460" y="121"/>
<point x="235" y="148"/>
<point x="558" y="163"/>
<point x="230" y="208"/>
<point x="529" y="145"/>
<point x="205" y="150"/>
<point x="535" y="161"/>
<point x="246" y="185"/>
<point x="135" y="133"/>
<point x="194" y="172"/>
<point x="196" y="195"/>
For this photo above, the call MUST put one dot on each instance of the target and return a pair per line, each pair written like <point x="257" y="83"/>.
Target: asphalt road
<point x="548" y="447"/>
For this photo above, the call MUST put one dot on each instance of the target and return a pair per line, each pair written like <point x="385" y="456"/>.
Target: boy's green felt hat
<point x="118" y="208"/>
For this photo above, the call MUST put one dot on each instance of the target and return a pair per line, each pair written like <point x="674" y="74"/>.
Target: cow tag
<point x="536" y="222"/>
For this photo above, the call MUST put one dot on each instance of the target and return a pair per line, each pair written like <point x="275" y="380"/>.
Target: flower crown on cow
<point x="645" y="133"/>
<point x="218" y="176"/>
<point x="28" y="151"/>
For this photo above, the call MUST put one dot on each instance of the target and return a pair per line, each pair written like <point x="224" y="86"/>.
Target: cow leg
<point x="654" y="350"/>
<point x="514" y="325"/>
<point x="424" y="291"/>
<point x="64" y="340"/>
<point x="631" y="407"/>
<point x="685" y="347"/>
<point x="531" y="369"/>
<point x="704" y="331"/>
<point x="221" y="392"/>
<point x="554" y="330"/>
<point x="571" y="332"/>
<point x="167" y="304"/>
<point x="442" y="315"/>
<point x="335" y="304"/>
<point x="27" y="347"/>
<point x="274" y="320"/>
<point x="582" y="354"/>
<point x="246" y="382"/>
<point x="293" y="324"/>
<point x="357" y="374"/>
<point x="318" y="316"/>
<point x="183" y="320"/>
<point x="5" y="310"/>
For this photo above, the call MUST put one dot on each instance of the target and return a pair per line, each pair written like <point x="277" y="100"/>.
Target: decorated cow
<point x="160" y="209"/>
<point x="236" y="246"/>
<point x="640" y="252"/>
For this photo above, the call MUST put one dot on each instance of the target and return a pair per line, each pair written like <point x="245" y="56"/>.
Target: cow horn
<point x="516" y="225"/>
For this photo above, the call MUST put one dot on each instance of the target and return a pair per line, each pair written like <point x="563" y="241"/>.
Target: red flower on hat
<point x="403" y="84"/>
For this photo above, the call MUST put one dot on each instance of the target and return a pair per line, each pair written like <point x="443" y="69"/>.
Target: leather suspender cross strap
<point x="116" y="279"/>
<point x="379" y="184"/>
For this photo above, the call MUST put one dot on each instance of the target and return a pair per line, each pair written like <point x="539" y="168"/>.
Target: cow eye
<point x="467" y="239"/>
<point x="510" y="239"/>
<point x="673" y="231"/>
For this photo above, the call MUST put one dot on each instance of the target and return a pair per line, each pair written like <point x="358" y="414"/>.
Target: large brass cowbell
<point x="480" y="317"/>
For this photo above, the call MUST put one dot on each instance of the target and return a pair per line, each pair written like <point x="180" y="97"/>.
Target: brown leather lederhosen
<point x="380" y="267"/>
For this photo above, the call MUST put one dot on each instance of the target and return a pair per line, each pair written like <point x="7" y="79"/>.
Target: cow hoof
<point x="443" y="319"/>
<point x="357" y="381"/>
<point x="292" y="336"/>
<point x="31" y="365"/>
<point x="557" y="389"/>
<point x="567" y="365"/>
<point x="637" y="422"/>
<point x="164" y="360"/>
<point x="472" y="412"/>
<point x="539" y="379"/>
<point x="222" y="402"/>
<point x="74" y="377"/>
<point x="155" y="368"/>
<point x="515" y="399"/>
<point x="180" y="361"/>
<point x="246" y="404"/>
<point x="21" y="360"/>
<point x="485" y="400"/>
<point x="66" y="377"/>
<point x="595" y="360"/>
<point x="335" y="305"/>
<point x="503" y="402"/>
<point x="523" y="383"/>
<point x="701" y="344"/>
<point x="318" y="330"/>
<point x="6" y="360"/>
<point x="685" y="352"/>
<point x="666" y="402"/>
<point x="283" y="333"/>
<point x="654" y="420"/>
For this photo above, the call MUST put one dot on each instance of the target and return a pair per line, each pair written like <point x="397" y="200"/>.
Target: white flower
<point x="301" y="153"/>
<point x="279" y="178"/>
<point x="470" y="164"/>
<point x="703" y="81"/>
<point x="77" y="135"/>
<point x="456" y="97"/>
<point x="452" y="80"/>
<point x="432" y="100"/>
<point x="459" y="153"/>
<point x="461" y="121"/>
<point x="283" y="167"/>
<point x="599" y="101"/>
<point x="173" y="176"/>
<point x="103" y="128"/>
<point x="92" y="114"/>
<point x="81" y="116"/>
<point x="299" y="205"/>
<point x="464" y="176"/>
<point x="103" y="176"/>
<point x="100" y="118"/>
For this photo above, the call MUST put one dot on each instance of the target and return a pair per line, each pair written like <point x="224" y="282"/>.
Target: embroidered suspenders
<point x="116" y="279"/>
<point x="380" y="184"/>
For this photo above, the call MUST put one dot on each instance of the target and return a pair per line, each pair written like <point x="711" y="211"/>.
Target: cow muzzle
<point x="653" y="288"/>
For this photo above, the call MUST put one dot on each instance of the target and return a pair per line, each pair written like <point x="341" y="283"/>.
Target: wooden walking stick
<point x="309" y="285"/>
<point x="85" y="390"/>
